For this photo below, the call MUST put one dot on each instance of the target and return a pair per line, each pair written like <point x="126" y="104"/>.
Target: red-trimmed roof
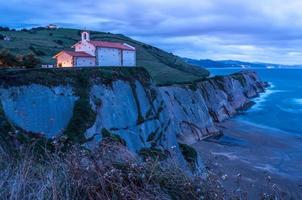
<point x="114" y="45"/>
<point x="76" y="54"/>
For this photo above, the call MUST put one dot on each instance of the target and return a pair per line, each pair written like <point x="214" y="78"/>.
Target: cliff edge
<point x="82" y="105"/>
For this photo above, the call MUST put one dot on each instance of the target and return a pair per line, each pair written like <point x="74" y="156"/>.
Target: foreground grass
<point x="109" y="172"/>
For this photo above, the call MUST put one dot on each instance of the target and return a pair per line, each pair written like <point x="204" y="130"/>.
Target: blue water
<point x="281" y="106"/>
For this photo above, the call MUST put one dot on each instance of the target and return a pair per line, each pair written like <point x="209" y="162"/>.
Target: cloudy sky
<point x="249" y="30"/>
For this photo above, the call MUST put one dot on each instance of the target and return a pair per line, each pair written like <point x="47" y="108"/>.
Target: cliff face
<point x="82" y="103"/>
<point x="134" y="111"/>
<point x="193" y="109"/>
<point x="39" y="109"/>
<point x="188" y="113"/>
<point x="225" y="96"/>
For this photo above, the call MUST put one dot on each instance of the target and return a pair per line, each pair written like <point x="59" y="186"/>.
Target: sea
<point x="280" y="107"/>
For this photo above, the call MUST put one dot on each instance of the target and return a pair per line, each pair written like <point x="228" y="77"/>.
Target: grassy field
<point x="165" y="68"/>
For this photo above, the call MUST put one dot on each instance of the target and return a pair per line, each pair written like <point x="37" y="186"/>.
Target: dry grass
<point x="109" y="172"/>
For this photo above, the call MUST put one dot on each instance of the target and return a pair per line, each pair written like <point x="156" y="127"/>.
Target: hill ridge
<point x="164" y="67"/>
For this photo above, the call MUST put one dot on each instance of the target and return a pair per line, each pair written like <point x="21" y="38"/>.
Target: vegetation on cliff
<point x="70" y="76"/>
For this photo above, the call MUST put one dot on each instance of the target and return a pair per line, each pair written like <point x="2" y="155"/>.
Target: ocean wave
<point x="293" y="105"/>
<point x="290" y="110"/>
<point x="297" y="101"/>
<point x="263" y="97"/>
<point x="267" y="167"/>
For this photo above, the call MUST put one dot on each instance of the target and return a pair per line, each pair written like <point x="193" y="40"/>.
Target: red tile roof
<point x="114" y="45"/>
<point x="76" y="54"/>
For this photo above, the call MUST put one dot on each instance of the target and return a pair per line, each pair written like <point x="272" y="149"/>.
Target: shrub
<point x="4" y="28"/>
<point x="113" y="137"/>
<point x="59" y="42"/>
<point x="30" y="61"/>
<point x="189" y="154"/>
<point x="153" y="153"/>
<point x="84" y="116"/>
<point x="7" y="59"/>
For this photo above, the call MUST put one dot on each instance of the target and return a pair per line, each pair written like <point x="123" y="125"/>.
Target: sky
<point x="247" y="30"/>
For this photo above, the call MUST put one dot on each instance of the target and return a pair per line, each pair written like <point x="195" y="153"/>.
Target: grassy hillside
<point x="165" y="68"/>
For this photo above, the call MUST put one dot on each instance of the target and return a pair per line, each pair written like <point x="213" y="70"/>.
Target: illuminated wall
<point x="64" y="60"/>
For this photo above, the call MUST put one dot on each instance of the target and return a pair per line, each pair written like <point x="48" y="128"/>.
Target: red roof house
<point x="97" y="53"/>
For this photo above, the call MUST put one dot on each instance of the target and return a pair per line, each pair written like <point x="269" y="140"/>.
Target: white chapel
<point x="89" y="53"/>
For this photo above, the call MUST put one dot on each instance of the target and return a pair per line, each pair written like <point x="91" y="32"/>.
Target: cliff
<point x="83" y="104"/>
<point x="193" y="108"/>
<point x="225" y="96"/>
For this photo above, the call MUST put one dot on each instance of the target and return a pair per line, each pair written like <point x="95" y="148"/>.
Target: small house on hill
<point x="52" y="26"/>
<point x="7" y="38"/>
<point x="89" y="53"/>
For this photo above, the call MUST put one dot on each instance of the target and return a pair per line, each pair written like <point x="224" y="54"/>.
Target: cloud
<point x="266" y="31"/>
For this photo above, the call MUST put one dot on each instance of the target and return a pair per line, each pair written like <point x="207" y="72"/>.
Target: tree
<point x="59" y="42"/>
<point x="4" y="28"/>
<point x="30" y="61"/>
<point x="7" y="59"/>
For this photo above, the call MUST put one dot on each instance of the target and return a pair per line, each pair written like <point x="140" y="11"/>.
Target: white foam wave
<point x="267" y="167"/>
<point x="297" y="101"/>
<point x="264" y="96"/>
<point x="290" y="110"/>
<point x="292" y="105"/>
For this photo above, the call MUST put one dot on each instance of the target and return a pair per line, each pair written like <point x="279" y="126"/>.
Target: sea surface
<point x="281" y="106"/>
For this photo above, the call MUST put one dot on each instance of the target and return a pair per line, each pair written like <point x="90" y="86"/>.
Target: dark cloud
<point x="269" y="30"/>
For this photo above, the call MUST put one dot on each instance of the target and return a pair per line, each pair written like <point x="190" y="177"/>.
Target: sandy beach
<point x="252" y="160"/>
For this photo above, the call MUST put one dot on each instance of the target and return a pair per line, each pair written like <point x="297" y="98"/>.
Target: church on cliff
<point x="89" y="53"/>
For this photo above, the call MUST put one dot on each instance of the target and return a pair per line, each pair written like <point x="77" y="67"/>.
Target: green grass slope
<point x="165" y="68"/>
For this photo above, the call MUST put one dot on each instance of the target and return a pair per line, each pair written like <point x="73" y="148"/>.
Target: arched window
<point x="85" y="36"/>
